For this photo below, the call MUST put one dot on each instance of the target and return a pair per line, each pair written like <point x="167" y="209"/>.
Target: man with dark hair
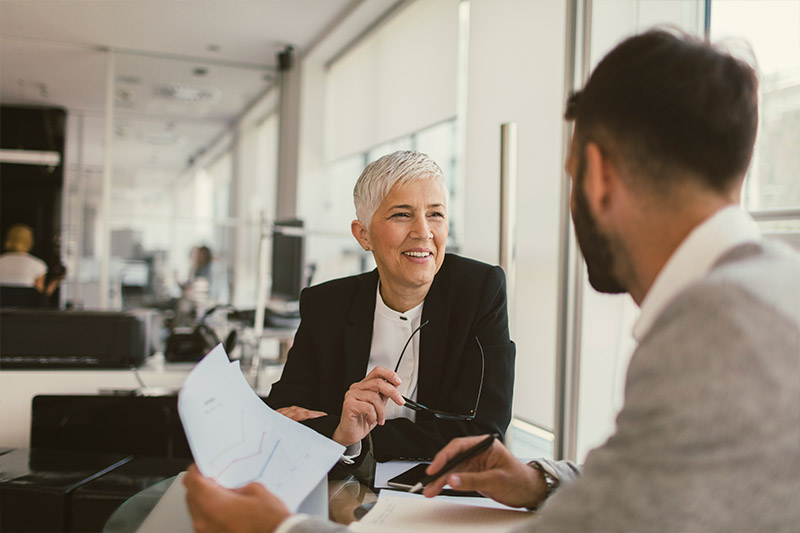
<point x="709" y="435"/>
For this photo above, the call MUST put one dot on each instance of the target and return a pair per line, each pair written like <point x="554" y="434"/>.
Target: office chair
<point x="11" y="296"/>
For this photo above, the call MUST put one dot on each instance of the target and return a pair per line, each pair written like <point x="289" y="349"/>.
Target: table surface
<point x="344" y="497"/>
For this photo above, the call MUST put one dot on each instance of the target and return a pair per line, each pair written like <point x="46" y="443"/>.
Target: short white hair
<point x="381" y="175"/>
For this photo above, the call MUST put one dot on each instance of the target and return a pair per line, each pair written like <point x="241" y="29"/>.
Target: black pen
<point x="455" y="461"/>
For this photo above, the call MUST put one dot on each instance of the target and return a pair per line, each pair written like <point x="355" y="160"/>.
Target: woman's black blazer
<point x="331" y="351"/>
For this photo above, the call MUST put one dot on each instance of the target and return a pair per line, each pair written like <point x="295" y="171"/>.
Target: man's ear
<point x="361" y="234"/>
<point x="601" y="180"/>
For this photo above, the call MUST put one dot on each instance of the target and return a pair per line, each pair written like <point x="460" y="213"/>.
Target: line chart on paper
<point x="269" y="463"/>
<point x="236" y="438"/>
<point x="251" y="461"/>
<point x="233" y="445"/>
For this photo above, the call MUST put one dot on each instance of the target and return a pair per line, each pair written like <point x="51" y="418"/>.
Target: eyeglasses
<point x="416" y="406"/>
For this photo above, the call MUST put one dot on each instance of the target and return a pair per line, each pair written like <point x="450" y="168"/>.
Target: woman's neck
<point x="402" y="300"/>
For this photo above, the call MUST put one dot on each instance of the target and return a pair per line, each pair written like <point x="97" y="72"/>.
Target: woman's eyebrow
<point x="407" y="206"/>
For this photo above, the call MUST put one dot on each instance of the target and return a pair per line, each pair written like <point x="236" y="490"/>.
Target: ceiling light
<point x="159" y="138"/>
<point x="30" y="157"/>
<point x="129" y="78"/>
<point x="185" y="93"/>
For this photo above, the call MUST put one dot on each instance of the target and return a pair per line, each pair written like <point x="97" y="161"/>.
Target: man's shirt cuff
<point x="351" y="453"/>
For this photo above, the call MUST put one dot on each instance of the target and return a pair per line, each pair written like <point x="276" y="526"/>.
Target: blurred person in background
<point x="20" y="269"/>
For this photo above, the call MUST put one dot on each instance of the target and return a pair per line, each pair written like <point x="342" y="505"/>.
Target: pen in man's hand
<point x="455" y="461"/>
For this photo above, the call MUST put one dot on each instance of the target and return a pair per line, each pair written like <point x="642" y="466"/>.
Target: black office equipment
<point x="288" y="260"/>
<point x="25" y="297"/>
<point x="192" y="344"/>
<point x="136" y="425"/>
<point x="46" y="338"/>
<point x="272" y="318"/>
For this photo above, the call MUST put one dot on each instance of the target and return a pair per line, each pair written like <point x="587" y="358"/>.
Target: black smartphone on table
<point x="410" y="477"/>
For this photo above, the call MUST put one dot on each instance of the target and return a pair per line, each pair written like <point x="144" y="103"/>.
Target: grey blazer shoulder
<point x="709" y="436"/>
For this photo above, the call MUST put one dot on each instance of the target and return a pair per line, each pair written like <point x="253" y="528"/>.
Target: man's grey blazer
<point x="708" y="438"/>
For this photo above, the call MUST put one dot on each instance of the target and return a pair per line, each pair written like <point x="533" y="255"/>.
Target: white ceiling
<point x="54" y="53"/>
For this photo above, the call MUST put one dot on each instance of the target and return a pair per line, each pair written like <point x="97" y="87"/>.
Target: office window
<point x="254" y="195"/>
<point x="772" y="29"/>
<point x="772" y="187"/>
<point x="402" y="143"/>
<point x="331" y="250"/>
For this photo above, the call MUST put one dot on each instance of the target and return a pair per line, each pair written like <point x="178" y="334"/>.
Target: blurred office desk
<point x="344" y="497"/>
<point x="18" y="388"/>
<point x="271" y="347"/>
<point x="285" y="338"/>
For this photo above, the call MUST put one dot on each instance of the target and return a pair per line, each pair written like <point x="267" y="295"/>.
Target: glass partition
<point x="191" y="174"/>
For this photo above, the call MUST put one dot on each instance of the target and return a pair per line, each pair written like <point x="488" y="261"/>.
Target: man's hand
<point x="494" y="473"/>
<point x="298" y="414"/>
<point x="248" y="509"/>
<point x="364" y="405"/>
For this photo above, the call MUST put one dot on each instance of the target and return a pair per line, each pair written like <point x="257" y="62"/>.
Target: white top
<point x="19" y="269"/>
<point x="727" y="228"/>
<point x="390" y="332"/>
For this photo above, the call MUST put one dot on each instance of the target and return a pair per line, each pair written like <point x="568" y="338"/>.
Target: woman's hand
<point x="298" y="414"/>
<point x="248" y="509"/>
<point x="494" y="473"/>
<point x="364" y="405"/>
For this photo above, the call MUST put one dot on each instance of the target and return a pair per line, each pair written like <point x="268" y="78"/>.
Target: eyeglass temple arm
<point x="480" y="386"/>
<point x="406" y="344"/>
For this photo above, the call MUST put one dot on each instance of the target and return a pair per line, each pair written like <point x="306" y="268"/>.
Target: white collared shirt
<point x="390" y="332"/>
<point x="727" y="228"/>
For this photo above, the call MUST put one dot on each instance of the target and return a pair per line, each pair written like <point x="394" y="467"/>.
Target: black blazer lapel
<point x="358" y="332"/>
<point x="433" y="339"/>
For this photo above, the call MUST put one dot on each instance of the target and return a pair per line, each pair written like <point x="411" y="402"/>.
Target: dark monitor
<point x="135" y="273"/>
<point x="288" y="260"/>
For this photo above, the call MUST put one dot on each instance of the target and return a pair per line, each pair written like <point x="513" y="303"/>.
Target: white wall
<point x="516" y="73"/>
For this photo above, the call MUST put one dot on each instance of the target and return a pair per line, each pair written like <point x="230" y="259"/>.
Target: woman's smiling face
<point x="408" y="234"/>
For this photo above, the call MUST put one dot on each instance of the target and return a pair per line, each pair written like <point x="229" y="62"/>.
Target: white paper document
<point x="473" y="501"/>
<point x="398" y="512"/>
<point x="236" y="438"/>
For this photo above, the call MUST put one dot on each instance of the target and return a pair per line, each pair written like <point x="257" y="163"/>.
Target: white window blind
<point x="398" y="79"/>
